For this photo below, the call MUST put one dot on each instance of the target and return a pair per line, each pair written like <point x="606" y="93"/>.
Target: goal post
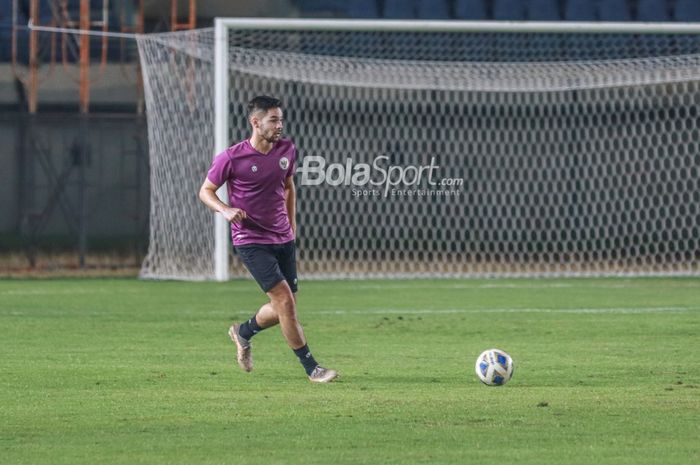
<point x="221" y="142"/>
<point x="575" y="147"/>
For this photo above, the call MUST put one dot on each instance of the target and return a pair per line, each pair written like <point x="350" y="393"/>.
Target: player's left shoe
<point x="243" y="351"/>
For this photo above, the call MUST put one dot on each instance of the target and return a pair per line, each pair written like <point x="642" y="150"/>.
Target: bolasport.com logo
<point x="381" y="178"/>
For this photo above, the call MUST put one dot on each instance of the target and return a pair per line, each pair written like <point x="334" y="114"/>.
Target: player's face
<point x="270" y="126"/>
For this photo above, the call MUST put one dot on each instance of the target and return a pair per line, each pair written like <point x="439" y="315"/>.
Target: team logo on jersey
<point x="284" y="163"/>
<point x="254" y="169"/>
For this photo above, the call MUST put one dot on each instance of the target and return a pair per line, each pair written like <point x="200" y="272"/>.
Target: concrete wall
<point x="42" y="176"/>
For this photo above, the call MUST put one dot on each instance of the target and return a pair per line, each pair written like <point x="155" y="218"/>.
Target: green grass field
<point x="131" y="372"/>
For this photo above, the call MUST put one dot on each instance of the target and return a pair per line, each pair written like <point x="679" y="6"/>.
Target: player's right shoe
<point x="322" y="375"/>
<point x="243" y="351"/>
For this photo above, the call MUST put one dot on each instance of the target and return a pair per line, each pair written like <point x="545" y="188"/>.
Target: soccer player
<point x="262" y="206"/>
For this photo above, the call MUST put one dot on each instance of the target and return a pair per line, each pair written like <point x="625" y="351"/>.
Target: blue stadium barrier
<point x="580" y="10"/>
<point x="434" y="46"/>
<point x="363" y="9"/>
<point x="617" y="46"/>
<point x="399" y="9"/>
<point x="463" y="46"/>
<point x="508" y="10"/>
<point x="322" y="8"/>
<point x="687" y="10"/>
<point x="470" y="9"/>
<point x="653" y="10"/>
<point x="5" y="11"/>
<point x="543" y="10"/>
<point x="433" y="9"/>
<point x="614" y="10"/>
<point x="5" y="32"/>
<point x="45" y="14"/>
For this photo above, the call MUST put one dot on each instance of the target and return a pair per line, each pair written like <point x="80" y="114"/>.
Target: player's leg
<point x="266" y="316"/>
<point x="260" y="260"/>
<point x="283" y="295"/>
<point x="266" y="263"/>
<point x="283" y="300"/>
<point x="269" y="268"/>
<point x="263" y="263"/>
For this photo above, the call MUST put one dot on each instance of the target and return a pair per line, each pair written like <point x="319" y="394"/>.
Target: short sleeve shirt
<point x="255" y="183"/>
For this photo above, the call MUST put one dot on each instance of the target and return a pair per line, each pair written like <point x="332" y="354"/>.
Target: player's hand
<point x="234" y="215"/>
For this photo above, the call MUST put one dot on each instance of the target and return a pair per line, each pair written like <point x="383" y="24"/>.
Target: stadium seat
<point x="687" y="10"/>
<point x="508" y="10"/>
<point x="652" y="10"/>
<point x="399" y="9"/>
<point x="470" y="9"/>
<point x="580" y="10"/>
<point x="614" y="10"/>
<point x="432" y="9"/>
<point x="6" y="33"/>
<point x="363" y="9"/>
<point x="543" y="10"/>
<point x="322" y="8"/>
<point x="5" y="29"/>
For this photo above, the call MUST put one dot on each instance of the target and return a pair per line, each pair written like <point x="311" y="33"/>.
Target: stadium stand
<point x="5" y="29"/>
<point x="687" y="10"/>
<point x="363" y="9"/>
<point x="322" y="8"/>
<point x="508" y="10"/>
<point x="652" y="10"/>
<point x="399" y="9"/>
<point x="543" y="10"/>
<point x="470" y="9"/>
<point x="614" y="10"/>
<point x="536" y="10"/>
<point x="432" y="9"/>
<point x="6" y="32"/>
<point x="580" y="10"/>
<point x="46" y="17"/>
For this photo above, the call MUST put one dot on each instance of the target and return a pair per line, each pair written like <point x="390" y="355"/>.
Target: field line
<point x="428" y="311"/>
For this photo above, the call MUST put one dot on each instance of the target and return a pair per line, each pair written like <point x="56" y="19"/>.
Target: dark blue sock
<point x="249" y="329"/>
<point x="306" y="359"/>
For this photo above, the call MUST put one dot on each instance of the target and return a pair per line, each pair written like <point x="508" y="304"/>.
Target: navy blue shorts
<point x="270" y="264"/>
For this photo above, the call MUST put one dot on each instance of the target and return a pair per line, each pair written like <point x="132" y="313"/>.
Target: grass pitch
<point x="132" y="372"/>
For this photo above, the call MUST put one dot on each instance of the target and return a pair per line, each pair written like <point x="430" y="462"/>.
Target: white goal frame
<point x="222" y="82"/>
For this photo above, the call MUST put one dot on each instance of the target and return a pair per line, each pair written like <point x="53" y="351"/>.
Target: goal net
<point x="556" y="153"/>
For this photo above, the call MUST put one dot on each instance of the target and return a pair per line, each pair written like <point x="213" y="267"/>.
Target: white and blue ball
<point x="494" y="367"/>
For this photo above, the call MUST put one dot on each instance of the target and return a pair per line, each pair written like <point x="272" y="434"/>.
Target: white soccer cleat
<point x="243" y="352"/>
<point x="322" y="375"/>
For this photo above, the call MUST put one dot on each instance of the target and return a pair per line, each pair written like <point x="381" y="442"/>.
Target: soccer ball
<point x="494" y="367"/>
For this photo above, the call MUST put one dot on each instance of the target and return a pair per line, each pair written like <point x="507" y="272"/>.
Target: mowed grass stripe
<point x="438" y="311"/>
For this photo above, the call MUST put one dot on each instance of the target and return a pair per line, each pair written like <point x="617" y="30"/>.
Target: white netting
<point x="580" y="154"/>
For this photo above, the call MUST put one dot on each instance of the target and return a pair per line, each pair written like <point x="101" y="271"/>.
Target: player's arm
<point x="207" y="194"/>
<point x="290" y="198"/>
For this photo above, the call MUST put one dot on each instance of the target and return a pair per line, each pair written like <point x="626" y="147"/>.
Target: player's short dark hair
<point x="263" y="103"/>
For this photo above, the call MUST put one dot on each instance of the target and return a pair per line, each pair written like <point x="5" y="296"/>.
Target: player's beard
<point x="272" y="136"/>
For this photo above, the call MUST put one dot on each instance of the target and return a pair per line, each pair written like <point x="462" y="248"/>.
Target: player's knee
<point x="285" y="306"/>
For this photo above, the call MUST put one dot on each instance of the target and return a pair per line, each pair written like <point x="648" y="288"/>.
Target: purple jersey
<point x="256" y="185"/>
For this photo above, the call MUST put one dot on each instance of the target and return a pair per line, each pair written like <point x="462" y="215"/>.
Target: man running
<point x="262" y="209"/>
